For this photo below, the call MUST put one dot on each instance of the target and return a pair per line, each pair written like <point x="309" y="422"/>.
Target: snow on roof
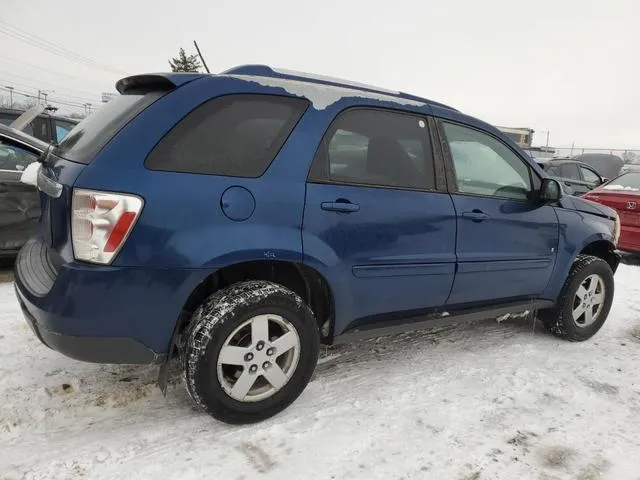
<point x="323" y="95"/>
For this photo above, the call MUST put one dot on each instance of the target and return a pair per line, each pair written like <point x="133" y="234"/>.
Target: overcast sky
<point x="568" y="66"/>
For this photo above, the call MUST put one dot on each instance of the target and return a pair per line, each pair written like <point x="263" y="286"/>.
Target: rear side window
<point x="62" y="128"/>
<point x="377" y="148"/>
<point x="233" y="135"/>
<point x="88" y="137"/>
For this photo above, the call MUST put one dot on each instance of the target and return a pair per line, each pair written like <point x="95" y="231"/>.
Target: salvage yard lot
<point x="489" y="400"/>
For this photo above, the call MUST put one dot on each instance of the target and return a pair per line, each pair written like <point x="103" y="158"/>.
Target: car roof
<point x="560" y="161"/>
<point x="309" y="85"/>
<point x="21" y="137"/>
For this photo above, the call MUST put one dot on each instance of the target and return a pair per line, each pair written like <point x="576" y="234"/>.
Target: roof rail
<point x="267" y="71"/>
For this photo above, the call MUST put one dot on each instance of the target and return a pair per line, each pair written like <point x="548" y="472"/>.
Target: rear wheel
<point x="250" y="351"/>
<point x="585" y="300"/>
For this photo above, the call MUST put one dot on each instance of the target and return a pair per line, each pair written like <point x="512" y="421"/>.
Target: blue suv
<point x="236" y="221"/>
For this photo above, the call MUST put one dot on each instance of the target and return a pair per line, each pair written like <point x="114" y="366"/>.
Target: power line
<point x="38" y="42"/>
<point x="49" y="100"/>
<point x="55" y="86"/>
<point x="39" y="67"/>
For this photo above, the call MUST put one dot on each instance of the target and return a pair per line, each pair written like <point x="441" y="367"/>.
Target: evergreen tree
<point x="184" y="62"/>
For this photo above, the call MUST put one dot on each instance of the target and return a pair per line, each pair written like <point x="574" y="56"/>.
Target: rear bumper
<point x="91" y="349"/>
<point x="101" y="314"/>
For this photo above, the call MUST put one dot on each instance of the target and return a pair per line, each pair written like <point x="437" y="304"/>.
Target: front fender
<point x="578" y="230"/>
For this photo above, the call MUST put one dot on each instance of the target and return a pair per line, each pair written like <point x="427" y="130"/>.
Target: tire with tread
<point x="559" y="319"/>
<point x="211" y="325"/>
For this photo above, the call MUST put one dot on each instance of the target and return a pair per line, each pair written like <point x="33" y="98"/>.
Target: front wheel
<point x="585" y="300"/>
<point x="250" y="351"/>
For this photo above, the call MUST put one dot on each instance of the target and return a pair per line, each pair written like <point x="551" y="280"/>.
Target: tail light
<point x="101" y="223"/>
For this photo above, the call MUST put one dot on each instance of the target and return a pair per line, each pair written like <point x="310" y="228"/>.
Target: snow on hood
<point x="322" y="96"/>
<point x="620" y="187"/>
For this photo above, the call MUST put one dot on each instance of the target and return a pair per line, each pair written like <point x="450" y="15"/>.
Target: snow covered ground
<point x="474" y="402"/>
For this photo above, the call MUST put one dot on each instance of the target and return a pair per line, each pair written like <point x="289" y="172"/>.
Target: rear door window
<point x="367" y="146"/>
<point x="233" y="135"/>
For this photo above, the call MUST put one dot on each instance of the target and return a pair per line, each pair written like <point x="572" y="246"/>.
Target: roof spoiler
<point x="152" y="82"/>
<point x="27" y="117"/>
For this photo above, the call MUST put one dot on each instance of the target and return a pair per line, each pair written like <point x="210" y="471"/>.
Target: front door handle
<point x="341" y="207"/>
<point x="475" y="215"/>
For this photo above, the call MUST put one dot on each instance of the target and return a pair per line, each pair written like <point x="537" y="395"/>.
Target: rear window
<point x="88" y="137"/>
<point x="233" y="135"/>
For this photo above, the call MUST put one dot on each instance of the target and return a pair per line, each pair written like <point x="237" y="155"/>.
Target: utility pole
<point x="10" y="96"/>
<point x="547" y="146"/>
<point x="44" y="93"/>
<point x="204" y="64"/>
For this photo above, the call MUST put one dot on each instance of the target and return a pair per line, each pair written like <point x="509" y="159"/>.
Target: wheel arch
<point x="302" y="279"/>
<point x="598" y="245"/>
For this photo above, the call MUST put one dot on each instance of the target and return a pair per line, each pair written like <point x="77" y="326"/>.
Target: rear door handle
<point x="341" y="207"/>
<point x="475" y="215"/>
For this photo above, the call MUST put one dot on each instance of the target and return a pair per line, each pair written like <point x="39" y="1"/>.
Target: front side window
<point x="377" y="148"/>
<point x="233" y="135"/>
<point x="485" y="166"/>
<point x="589" y="175"/>
<point x="14" y="158"/>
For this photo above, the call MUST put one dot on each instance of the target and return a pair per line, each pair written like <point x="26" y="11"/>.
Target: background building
<point x="521" y="136"/>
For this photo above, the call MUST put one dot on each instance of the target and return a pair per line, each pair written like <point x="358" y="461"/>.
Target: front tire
<point x="250" y="351"/>
<point x="584" y="302"/>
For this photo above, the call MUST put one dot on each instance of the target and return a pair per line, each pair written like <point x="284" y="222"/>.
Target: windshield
<point x="628" y="181"/>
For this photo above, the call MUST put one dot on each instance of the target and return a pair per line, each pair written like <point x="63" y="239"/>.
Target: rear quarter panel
<point x="182" y="223"/>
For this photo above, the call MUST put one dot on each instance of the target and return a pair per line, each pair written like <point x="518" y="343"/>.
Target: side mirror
<point x="603" y="180"/>
<point x="550" y="190"/>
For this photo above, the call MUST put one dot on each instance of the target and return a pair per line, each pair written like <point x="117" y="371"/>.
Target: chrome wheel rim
<point x="588" y="301"/>
<point x="258" y="358"/>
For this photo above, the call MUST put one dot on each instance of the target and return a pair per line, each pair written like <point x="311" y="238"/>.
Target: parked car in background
<point x="577" y="178"/>
<point x="630" y="167"/>
<point x="46" y="126"/>
<point x="19" y="203"/>
<point x="623" y="194"/>
<point x="235" y="221"/>
<point x="607" y="165"/>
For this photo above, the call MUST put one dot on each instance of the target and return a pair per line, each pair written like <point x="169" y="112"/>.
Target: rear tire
<point x="584" y="302"/>
<point x="250" y="351"/>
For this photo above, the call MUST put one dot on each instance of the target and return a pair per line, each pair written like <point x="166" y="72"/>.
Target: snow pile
<point x="620" y="187"/>
<point x="490" y="400"/>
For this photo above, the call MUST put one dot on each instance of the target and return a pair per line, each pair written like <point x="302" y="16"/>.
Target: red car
<point x="623" y="194"/>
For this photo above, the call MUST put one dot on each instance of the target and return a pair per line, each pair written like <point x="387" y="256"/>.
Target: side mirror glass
<point x="550" y="190"/>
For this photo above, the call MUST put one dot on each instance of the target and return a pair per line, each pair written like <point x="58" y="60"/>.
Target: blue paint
<point x="394" y="251"/>
<point x="237" y="203"/>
